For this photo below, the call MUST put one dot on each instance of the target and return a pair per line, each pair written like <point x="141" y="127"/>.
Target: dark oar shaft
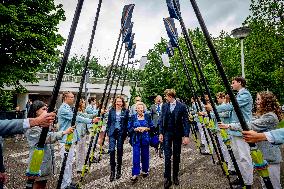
<point x="62" y="69"/>
<point x="197" y="64"/>
<point x="80" y="91"/>
<point x="219" y="66"/>
<point x="120" y="73"/>
<point x="58" y="81"/>
<point x="125" y="73"/>
<point x="224" y="78"/>
<point x="115" y="71"/>
<point x="91" y="144"/>
<point x="110" y="70"/>
<point x="194" y="94"/>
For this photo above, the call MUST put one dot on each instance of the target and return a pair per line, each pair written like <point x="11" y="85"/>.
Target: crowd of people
<point x="165" y="125"/>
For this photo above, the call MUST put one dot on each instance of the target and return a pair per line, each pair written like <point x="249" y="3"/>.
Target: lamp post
<point x="241" y="33"/>
<point x="87" y="80"/>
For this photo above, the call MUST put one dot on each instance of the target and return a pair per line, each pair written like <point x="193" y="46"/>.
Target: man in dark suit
<point x="174" y="130"/>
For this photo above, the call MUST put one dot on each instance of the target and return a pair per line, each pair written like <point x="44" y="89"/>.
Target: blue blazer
<point x="181" y="125"/>
<point x="112" y="119"/>
<point x="11" y="127"/>
<point x="278" y="136"/>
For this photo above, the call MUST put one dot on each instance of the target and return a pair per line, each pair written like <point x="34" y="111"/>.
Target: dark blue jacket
<point x="112" y="119"/>
<point x="181" y="125"/>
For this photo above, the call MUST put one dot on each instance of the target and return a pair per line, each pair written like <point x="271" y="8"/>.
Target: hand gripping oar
<point x="255" y="153"/>
<point x="70" y="136"/>
<point x="87" y="158"/>
<point x="197" y="102"/>
<point x="38" y="153"/>
<point x="195" y="137"/>
<point x="195" y="62"/>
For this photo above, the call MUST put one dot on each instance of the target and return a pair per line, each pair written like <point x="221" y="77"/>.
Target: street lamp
<point x="241" y="33"/>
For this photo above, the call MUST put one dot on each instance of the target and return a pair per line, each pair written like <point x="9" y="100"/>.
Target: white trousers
<point x="80" y="153"/>
<point x="203" y="138"/>
<point x="225" y="153"/>
<point x="67" y="177"/>
<point x="241" y="151"/>
<point x="274" y="175"/>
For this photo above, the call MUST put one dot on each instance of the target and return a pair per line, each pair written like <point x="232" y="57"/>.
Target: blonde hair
<point x="81" y="107"/>
<point x="170" y="92"/>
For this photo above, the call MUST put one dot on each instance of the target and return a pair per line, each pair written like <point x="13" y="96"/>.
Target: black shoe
<point x="248" y="186"/>
<point x="79" y="172"/>
<point x="118" y="173"/>
<point x="144" y="174"/>
<point x="167" y="183"/>
<point x="176" y="181"/>
<point x="232" y="172"/>
<point x="160" y="153"/>
<point x="235" y="182"/>
<point x="112" y="175"/>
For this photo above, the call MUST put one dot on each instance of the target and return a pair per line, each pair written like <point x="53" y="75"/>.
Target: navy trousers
<point x="116" y="140"/>
<point x="172" y="146"/>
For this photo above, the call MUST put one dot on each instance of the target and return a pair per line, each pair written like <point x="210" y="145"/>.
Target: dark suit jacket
<point x="112" y="119"/>
<point x="181" y="125"/>
<point x="154" y="114"/>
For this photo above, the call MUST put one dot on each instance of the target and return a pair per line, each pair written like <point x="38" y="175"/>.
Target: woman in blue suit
<point x="138" y="128"/>
<point x="117" y="131"/>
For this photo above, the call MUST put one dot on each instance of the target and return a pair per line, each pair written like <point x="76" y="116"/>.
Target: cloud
<point x="148" y="22"/>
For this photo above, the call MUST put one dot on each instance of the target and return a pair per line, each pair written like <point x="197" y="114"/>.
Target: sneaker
<point x="235" y="182"/>
<point x="134" y="178"/>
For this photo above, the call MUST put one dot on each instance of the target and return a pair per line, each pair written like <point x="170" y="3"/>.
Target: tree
<point x="264" y="47"/>
<point x="28" y="38"/>
<point x="264" y="62"/>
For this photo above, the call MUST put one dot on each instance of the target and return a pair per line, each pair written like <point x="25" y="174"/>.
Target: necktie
<point x="158" y="108"/>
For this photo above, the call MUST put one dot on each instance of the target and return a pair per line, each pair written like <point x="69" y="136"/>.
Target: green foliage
<point x="264" y="47"/>
<point x="28" y="39"/>
<point x="264" y="63"/>
<point x="5" y="100"/>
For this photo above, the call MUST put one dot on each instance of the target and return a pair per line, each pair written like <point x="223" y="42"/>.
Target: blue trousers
<point x="143" y="152"/>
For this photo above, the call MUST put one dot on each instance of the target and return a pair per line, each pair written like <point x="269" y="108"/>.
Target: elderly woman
<point x="138" y="128"/>
<point x="117" y="131"/>
<point x="33" y="134"/>
<point x="268" y="115"/>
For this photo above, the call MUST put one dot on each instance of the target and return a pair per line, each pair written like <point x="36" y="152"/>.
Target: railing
<point x="77" y="79"/>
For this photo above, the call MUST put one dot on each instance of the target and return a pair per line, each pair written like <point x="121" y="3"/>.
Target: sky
<point x="148" y="23"/>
